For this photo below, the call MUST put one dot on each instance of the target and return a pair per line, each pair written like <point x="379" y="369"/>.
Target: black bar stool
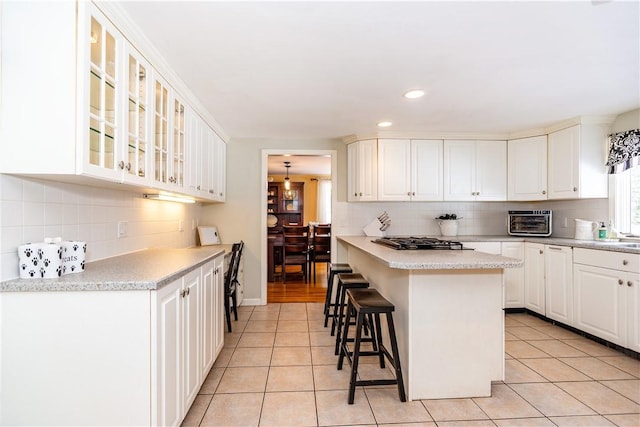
<point x="329" y="305"/>
<point x="366" y="302"/>
<point x="345" y="281"/>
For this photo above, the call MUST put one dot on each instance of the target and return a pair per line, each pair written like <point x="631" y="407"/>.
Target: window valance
<point x="624" y="151"/>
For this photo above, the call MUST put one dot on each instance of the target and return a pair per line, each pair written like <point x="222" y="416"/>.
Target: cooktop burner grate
<point x="418" y="243"/>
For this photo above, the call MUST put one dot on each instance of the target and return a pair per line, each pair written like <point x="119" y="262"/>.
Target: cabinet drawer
<point x="607" y="259"/>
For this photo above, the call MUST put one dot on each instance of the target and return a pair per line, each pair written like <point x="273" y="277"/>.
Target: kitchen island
<point x="449" y="318"/>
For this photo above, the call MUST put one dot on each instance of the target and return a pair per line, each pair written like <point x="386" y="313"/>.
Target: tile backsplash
<point x="478" y="218"/>
<point x="32" y="209"/>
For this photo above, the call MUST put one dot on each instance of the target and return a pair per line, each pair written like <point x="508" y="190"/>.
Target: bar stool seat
<point x="329" y="303"/>
<point x="345" y="281"/>
<point x="367" y="302"/>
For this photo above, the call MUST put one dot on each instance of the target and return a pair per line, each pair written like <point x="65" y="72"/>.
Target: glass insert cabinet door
<point x="177" y="176"/>
<point x="161" y="125"/>
<point x="137" y="116"/>
<point x="102" y="95"/>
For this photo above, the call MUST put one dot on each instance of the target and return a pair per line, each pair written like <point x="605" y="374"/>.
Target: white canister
<point x="448" y="227"/>
<point x="584" y="229"/>
<point x="73" y="255"/>
<point x="40" y="260"/>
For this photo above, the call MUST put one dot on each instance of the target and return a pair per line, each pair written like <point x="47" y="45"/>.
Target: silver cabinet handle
<point x="121" y="164"/>
<point x="408" y="193"/>
<point x="629" y="283"/>
<point x="541" y="251"/>
<point x="555" y="248"/>
<point x="544" y="191"/>
<point x="620" y="281"/>
<point x="413" y="194"/>
<point x="575" y="189"/>
<point x="128" y="166"/>
<point x="210" y="191"/>
<point x="625" y="262"/>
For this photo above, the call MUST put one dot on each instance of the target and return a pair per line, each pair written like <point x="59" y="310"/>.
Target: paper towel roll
<point x="73" y="255"/>
<point x="40" y="260"/>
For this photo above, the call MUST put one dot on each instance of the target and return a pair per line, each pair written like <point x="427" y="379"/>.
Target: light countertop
<point x="430" y="260"/>
<point x="147" y="269"/>
<point x="559" y="241"/>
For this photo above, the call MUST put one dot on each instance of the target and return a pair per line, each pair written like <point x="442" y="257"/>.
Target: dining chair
<point x="231" y="283"/>
<point x="321" y="246"/>
<point x="295" y="249"/>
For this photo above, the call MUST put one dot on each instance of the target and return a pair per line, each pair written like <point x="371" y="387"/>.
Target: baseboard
<point x="252" y="301"/>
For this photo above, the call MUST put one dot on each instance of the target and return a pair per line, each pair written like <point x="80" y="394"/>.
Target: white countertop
<point x="147" y="269"/>
<point x="430" y="260"/>
<point x="560" y="241"/>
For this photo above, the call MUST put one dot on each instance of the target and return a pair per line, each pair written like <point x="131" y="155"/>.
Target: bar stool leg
<point x="379" y="339"/>
<point x="343" y="349"/>
<point x="396" y="357"/>
<point x="341" y="316"/>
<point x="356" y="356"/>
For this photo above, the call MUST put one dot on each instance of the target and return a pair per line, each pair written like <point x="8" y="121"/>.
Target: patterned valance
<point x="624" y="151"/>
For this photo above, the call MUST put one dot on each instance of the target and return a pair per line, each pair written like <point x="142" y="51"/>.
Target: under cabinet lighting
<point x="384" y="124"/>
<point x="169" y="198"/>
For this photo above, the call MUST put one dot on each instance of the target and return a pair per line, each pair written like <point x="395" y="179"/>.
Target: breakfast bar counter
<point x="448" y="314"/>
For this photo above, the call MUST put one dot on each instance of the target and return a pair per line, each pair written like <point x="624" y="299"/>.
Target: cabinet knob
<point x="221" y="194"/>
<point x="128" y="166"/>
<point x="210" y="191"/>
<point x="408" y="193"/>
<point x="625" y="262"/>
<point x="198" y="187"/>
<point x="360" y="194"/>
<point x="413" y="194"/>
<point x="629" y="283"/>
<point x="544" y="191"/>
<point x="541" y="251"/>
<point x="575" y="189"/>
<point x="121" y="164"/>
<point x="620" y="281"/>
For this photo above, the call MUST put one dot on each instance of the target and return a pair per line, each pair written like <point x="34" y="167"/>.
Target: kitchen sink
<point x="623" y="244"/>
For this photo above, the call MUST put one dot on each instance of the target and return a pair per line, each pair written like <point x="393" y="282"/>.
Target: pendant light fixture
<point x="287" y="182"/>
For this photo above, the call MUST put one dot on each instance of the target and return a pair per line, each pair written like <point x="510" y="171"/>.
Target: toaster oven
<point x="530" y="223"/>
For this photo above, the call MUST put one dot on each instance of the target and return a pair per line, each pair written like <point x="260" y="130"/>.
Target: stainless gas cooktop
<point x="419" y="243"/>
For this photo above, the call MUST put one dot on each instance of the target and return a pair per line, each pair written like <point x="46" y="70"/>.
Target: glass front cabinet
<point x="111" y="116"/>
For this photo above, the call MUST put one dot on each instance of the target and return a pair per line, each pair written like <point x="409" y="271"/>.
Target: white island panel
<point x="449" y="321"/>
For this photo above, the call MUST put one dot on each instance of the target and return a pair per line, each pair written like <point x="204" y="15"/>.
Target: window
<point x="625" y="201"/>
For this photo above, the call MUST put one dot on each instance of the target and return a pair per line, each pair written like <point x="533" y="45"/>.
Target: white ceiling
<point x="331" y="69"/>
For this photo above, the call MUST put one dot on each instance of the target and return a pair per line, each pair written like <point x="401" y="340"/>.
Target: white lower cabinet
<point x="110" y="357"/>
<point x="513" y="278"/>
<point x="190" y="335"/>
<point x="558" y="266"/>
<point x="606" y="296"/>
<point x="534" y="284"/>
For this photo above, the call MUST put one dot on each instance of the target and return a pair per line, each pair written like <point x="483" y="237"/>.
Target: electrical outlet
<point x="180" y="225"/>
<point x="122" y="229"/>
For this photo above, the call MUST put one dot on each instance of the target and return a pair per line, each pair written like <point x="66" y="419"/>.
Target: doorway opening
<point x="300" y="192"/>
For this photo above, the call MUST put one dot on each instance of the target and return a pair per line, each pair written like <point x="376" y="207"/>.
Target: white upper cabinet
<point x="138" y="120"/>
<point x="475" y="170"/>
<point x="102" y="111"/>
<point x="409" y="169"/>
<point x="527" y="168"/>
<point x="362" y="182"/>
<point x="577" y="157"/>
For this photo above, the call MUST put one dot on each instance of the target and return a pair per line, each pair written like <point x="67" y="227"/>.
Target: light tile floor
<point x="278" y="369"/>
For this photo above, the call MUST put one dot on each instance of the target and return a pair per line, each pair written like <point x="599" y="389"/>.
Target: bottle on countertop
<point x="612" y="233"/>
<point x="602" y="232"/>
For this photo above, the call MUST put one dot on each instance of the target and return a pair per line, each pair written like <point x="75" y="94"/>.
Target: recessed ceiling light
<point x="384" y="124"/>
<point x="415" y="93"/>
